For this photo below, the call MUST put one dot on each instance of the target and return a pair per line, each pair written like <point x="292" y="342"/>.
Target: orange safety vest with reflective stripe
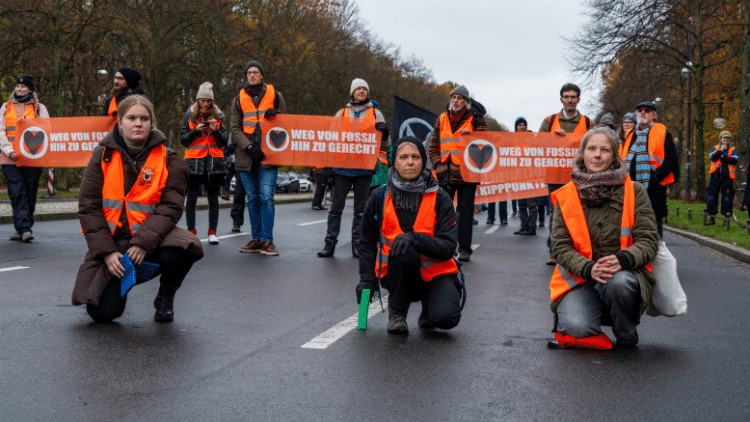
<point x="203" y="145"/>
<point x="449" y="141"/>
<point x="11" y="118"/>
<point x="370" y="121"/>
<point x="584" y="123"/>
<point x="575" y="221"/>
<point x="715" y="165"/>
<point x="425" y="224"/>
<point x="656" y="136"/>
<point x="252" y="115"/>
<point x="112" y="110"/>
<point x="143" y="197"/>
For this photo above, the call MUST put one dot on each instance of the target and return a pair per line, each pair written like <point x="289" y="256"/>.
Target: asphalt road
<point x="235" y="350"/>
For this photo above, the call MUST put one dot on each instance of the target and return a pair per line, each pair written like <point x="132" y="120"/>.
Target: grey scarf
<point x="595" y="188"/>
<point x="408" y="194"/>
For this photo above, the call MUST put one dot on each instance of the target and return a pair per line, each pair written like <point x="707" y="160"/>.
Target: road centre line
<point x="2" y="270"/>
<point x="309" y="223"/>
<point x="339" y="330"/>
<point x="227" y="236"/>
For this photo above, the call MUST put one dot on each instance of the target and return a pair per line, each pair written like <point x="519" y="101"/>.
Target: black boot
<point x="164" y="304"/>
<point x="328" y="249"/>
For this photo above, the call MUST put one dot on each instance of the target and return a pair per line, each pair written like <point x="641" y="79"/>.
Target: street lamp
<point x="102" y="73"/>
<point x="688" y="73"/>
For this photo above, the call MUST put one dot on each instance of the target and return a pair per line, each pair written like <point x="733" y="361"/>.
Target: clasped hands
<point x="605" y="268"/>
<point x="137" y="255"/>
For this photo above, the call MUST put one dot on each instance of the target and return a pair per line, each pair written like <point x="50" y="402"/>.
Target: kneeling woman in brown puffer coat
<point x="131" y="199"/>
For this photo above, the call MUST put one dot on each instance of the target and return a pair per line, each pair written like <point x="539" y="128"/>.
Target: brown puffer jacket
<point x="603" y="223"/>
<point x="159" y="230"/>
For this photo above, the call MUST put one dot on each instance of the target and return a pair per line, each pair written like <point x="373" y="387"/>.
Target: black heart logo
<point x="480" y="155"/>
<point x="33" y="141"/>
<point x="277" y="138"/>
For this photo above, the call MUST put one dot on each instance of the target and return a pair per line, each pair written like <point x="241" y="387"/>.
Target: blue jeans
<point x="23" y="184"/>
<point x="579" y="313"/>
<point x="260" y="185"/>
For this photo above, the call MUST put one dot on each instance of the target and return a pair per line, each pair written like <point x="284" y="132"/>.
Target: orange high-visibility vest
<point x="203" y="145"/>
<point x="656" y="136"/>
<point x="112" y="110"/>
<point x="369" y="121"/>
<point x="143" y="197"/>
<point x="575" y="221"/>
<point x="425" y="224"/>
<point x="252" y="115"/>
<point x="449" y="141"/>
<point x="11" y="118"/>
<point x="583" y="124"/>
<point x="715" y="165"/>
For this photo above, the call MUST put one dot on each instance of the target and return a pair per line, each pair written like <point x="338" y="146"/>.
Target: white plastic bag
<point x="668" y="298"/>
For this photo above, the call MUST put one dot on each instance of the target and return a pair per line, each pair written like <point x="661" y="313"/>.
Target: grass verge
<point x="678" y="218"/>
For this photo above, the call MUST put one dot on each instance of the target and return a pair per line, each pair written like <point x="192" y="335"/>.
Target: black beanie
<point x="26" y="80"/>
<point x="411" y="140"/>
<point x="254" y="63"/>
<point x="520" y="120"/>
<point x="132" y="77"/>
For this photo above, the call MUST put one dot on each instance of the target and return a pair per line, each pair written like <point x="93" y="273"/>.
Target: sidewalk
<point x="67" y="209"/>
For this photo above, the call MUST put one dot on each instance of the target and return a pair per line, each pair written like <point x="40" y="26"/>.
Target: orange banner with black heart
<point x="320" y="141"/>
<point x="59" y="141"/>
<point x="516" y="165"/>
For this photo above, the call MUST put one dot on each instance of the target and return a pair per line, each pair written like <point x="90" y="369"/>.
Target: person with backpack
<point x="360" y="106"/>
<point x="409" y="235"/>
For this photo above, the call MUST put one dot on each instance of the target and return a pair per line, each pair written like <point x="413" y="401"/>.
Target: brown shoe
<point x="252" y="246"/>
<point x="268" y="248"/>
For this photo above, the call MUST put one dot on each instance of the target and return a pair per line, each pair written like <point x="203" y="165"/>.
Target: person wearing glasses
<point x="651" y="158"/>
<point x="567" y="121"/>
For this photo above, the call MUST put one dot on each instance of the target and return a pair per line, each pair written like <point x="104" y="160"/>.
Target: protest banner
<point x="320" y="141"/>
<point x="59" y="141"/>
<point x="516" y="165"/>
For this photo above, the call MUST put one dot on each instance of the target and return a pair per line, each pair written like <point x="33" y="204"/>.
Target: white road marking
<point x="492" y="229"/>
<point x="227" y="236"/>
<point x="339" y="330"/>
<point x="2" y="270"/>
<point x="310" y="223"/>
<point x="475" y="246"/>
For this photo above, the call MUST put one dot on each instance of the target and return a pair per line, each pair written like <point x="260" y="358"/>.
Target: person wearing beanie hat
<point x="723" y="170"/>
<point x="256" y="104"/>
<point x="204" y="137"/>
<point x="651" y="158"/>
<point x="628" y="122"/>
<point x="444" y="151"/>
<point x="527" y="207"/>
<point x="568" y="120"/>
<point x="408" y="220"/>
<point x="22" y="182"/>
<point x="361" y="107"/>
<point x="125" y="82"/>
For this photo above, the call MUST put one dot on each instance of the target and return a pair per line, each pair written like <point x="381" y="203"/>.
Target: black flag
<point x="412" y="120"/>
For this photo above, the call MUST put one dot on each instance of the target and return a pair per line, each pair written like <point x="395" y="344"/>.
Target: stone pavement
<point x="62" y="209"/>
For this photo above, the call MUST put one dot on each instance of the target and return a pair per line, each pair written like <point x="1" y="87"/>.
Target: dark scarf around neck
<point x="408" y="194"/>
<point x="595" y="188"/>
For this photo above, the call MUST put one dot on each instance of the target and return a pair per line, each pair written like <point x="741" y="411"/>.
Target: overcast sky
<point x="508" y="53"/>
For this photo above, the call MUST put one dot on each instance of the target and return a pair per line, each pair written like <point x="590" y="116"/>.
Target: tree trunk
<point x="699" y="159"/>
<point x="744" y="138"/>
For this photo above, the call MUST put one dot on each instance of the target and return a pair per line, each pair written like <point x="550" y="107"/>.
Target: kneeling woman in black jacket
<point x="408" y="240"/>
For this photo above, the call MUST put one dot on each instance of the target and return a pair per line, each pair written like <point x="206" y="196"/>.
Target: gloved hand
<point x="256" y="153"/>
<point x="364" y="285"/>
<point x="270" y="113"/>
<point x="383" y="128"/>
<point x="401" y="244"/>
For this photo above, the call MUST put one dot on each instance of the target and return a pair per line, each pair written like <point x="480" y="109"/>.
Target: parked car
<point x="287" y="183"/>
<point x="305" y="185"/>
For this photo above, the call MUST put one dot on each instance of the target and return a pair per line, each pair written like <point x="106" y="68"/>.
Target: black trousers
<point x="465" y="210"/>
<point x="341" y="187"/>
<point x="213" y="185"/>
<point x="174" y="265"/>
<point x="441" y="298"/>
<point x="320" y="188"/>
<point x="238" y="203"/>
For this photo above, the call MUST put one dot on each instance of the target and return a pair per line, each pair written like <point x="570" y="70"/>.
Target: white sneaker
<point x="212" y="240"/>
<point x="15" y="236"/>
<point x="27" y="237"/>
